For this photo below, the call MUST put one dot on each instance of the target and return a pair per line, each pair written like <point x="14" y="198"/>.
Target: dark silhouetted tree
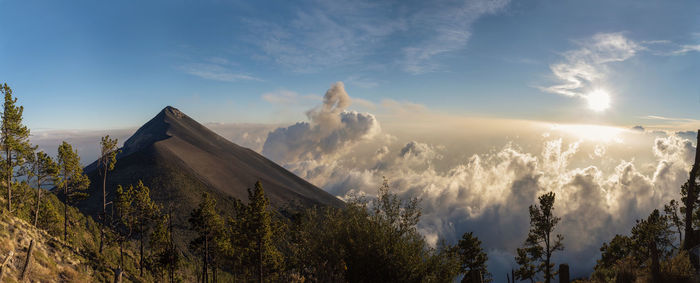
<point x="72" y="181"/>
<point x="14" y="141"/>
<point x="473" y="258"/>
<point x="651" y="242"/>
<point x="536" y="254"/>
<point x="671" y="212"/>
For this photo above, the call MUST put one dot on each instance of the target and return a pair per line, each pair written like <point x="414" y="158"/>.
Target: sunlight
<point x="592" y="132"/>
<point x="598" y="100"/>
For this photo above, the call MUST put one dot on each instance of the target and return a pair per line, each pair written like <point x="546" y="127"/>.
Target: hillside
<point x="51" y="261"/>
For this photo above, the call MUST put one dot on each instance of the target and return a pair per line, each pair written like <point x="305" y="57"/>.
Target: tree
<point x="71" y="179"/>
<point x="539" y="245"/>
<point x="145" y="212"/>
<point x="473" y="258"/>
<point x="45" y="170"/>
<point x="122" y="217"/>
<point x="108" y="158"/>
<point x="611" y="253"/>
<point x="263" y="253"/>
<point x="689" y="197"/>
<point x="14" y="140"/>
<point x="651" y="241"/>
<point x="164" y="257"/>
<point x="208" y="224"/>
<point x="671" y="213"/>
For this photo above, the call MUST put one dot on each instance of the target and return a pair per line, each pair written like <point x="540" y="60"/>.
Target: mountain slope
<point x="178" y="158"/>
<point x="51" y="261"/>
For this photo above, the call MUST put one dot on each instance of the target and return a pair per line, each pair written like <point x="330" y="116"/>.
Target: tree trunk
<point x="690" y="202"/>
<point x="172" y="247"/>
<point x="4" y="263"/>
<point x="655" y="269"/>
<point x="213" y="271"/>
<point x="27" y="260"/>
<point x="38" y="202"/>
<point x="204" y="260"/>
<point x="9" y="179"/>
<point x="65" y="215"/>
<point x="260" y="261"/>
<point x="118" y="275"/>
<point x="104" y="210"/>
<point x="141" y="250"/>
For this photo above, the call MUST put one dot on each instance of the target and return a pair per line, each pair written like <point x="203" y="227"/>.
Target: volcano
<point x="179" y="159"/>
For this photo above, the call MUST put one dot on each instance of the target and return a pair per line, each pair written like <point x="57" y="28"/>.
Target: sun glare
<point x="592" y="132"/>
<point x="598" y="100"/>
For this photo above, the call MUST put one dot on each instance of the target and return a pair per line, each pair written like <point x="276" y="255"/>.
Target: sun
<point x="598" y="100"/>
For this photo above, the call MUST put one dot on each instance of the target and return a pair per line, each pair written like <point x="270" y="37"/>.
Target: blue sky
<point x="114" y="64"/>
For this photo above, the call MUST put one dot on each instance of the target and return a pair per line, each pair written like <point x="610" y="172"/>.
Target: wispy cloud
<point x="334" y="33"/>
<point x="286" y="97"/>
<point x="215" y="70"/>
<point x="687" y="48"/>
<point x="583" y="68"/>
<point x="447" y="29"/>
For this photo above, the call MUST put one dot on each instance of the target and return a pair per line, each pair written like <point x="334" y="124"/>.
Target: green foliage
<point x="671" y="211"/>
<point x="535" y="255"/>
<point x="45" y="172"/>
<point x="358" y="244"/>
<point x="260" y="248"/>
<point x="473" y="258"/>
<point x="71" y="179"/>
<point x="137" y="215"/>
<point x="14" y="141"/>
<point x="209" y="225"/>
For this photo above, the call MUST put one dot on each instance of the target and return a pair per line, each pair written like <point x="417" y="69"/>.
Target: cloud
<point x="687" y="48"/>
<point x="602" y="186"/>
<point x="286" y="97"/>
<point x="216" y="71"/>
<point x="585" y="68"/>
<point x="330" y="128"/>
<point x="444" y="30"/>
<point x="330" y="34"/>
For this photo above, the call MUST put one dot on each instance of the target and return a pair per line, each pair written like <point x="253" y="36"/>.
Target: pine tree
<point x="164" y="256"/>
<point x="651" y="240"/>
<point x="539" y="245"/>
<point x="473" y="258"/>
<point x="145" y="214"/>
<point x="71" y="179"/>
<point x="123" y="217"/>
<point x="209" y="226"/>
<point x="45" y="172"/>
<point x="108" y="158"/>
<point x="262" y="251"/>
<point x="14" y="140"/>
<point x="671" y="213"/>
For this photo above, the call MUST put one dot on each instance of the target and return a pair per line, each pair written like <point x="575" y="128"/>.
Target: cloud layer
<point x="602" y="185"/>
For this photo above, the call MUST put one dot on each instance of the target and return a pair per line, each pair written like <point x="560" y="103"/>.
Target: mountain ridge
<point x="172" y="146"/>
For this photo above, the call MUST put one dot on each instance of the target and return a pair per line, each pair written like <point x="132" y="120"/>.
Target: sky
<point x="476" y="107"/>
<point x="113" y="64"/>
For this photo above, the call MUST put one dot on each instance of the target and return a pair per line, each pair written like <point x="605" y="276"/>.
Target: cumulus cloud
<point x="602" y="186"/>
<point x="330" y="128"/>
<point x="586" y="67"/>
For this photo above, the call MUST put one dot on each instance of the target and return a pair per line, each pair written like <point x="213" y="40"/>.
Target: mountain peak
<point x="172" y="111"/>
